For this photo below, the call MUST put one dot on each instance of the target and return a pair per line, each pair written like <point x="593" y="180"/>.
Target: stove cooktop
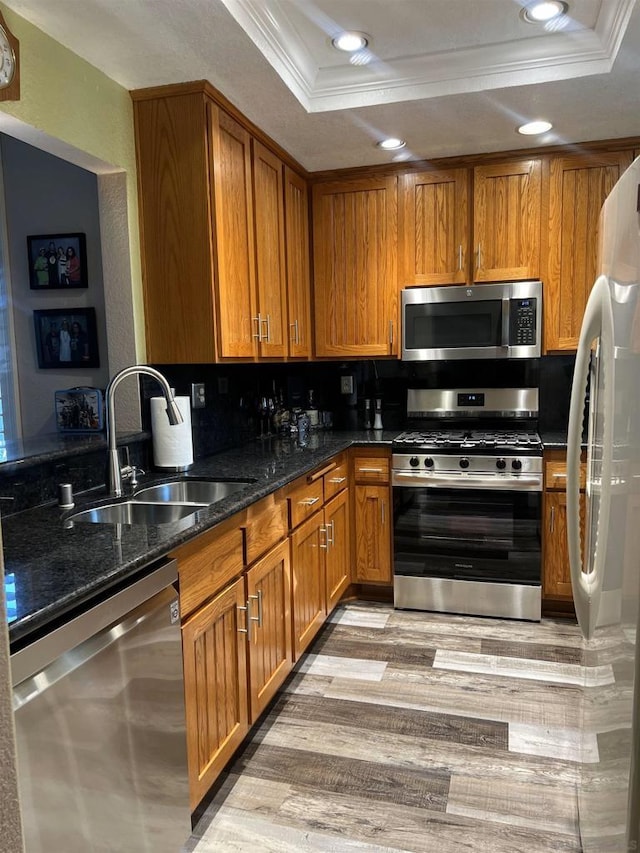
<point x="481" y="441"/>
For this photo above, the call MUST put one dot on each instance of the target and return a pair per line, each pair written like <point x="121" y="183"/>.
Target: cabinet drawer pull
<point x="323" y="530"/>
<point x="371" y="470"/>
<point x="296" y="331"/>
<point x="382" y="512"/>
<point x="460" y="256"/>
<point x="559" y="475"/>
<point x="391" y="333"/>
<point x="553" y="519"/>
<point x="309" y="501"/>
<point x="337" y="479"/>
<point x="246" y="630"/>
<point x="257" y="598"/>
<point x="267" y="321"/>
<point x="331" y="533"/>
<point x="479" y="263"/>
<point x="258" y="321"/>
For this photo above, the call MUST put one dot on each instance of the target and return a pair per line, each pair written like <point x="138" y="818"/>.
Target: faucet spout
<point x="114" y="470"/>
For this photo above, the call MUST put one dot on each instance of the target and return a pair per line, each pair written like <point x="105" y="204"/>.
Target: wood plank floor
<point x="405" y="731"/>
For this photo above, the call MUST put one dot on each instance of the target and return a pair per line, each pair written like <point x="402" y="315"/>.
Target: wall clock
<point x="9" y="64"/>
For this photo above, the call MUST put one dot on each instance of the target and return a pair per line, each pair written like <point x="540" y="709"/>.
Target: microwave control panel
<point x="523" y="322"/>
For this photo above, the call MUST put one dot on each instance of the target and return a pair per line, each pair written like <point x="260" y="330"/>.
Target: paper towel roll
<point x="172" y="445"/>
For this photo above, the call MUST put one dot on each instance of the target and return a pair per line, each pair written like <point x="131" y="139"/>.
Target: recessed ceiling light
<point x="391" y="144"/>
<point x="350" y="42"/>
<point x="532" y="128"/>
<point x="541" y="12"/>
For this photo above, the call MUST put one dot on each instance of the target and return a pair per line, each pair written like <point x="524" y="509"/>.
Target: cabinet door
<point x="578" y="187"/>
<point x="296" y="220"/>
<point x="215" y="686"/>
<point x="337" y="562"/>
<point x="373" y="534"/>
<point x="270" y="655"/>
<point x="506" y="216"/>
<point x="308" y="544"/>
<point x="355" y="282"/>
<point x="557" y="577"/>
<point x="232" y="204"/>
<point x="270" y="259"/>
<point x="434" y="234"/>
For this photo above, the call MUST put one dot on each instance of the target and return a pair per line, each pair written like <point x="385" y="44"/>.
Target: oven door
<point x="477" y="535"/>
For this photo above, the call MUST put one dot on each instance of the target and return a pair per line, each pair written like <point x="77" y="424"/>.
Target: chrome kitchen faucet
<point x="115" y="471"/>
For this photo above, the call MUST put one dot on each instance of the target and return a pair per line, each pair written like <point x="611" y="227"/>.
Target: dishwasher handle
<point x="35" y="657"/>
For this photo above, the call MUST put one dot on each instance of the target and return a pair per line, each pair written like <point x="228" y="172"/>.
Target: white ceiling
<point x="450" y="76"/>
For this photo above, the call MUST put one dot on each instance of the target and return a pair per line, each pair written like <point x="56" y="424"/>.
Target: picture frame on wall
<point x="66" y="338"/>
<point x="57" y="261"/>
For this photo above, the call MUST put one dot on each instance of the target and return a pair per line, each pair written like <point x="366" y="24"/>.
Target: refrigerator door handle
<point x="597" y="323"/>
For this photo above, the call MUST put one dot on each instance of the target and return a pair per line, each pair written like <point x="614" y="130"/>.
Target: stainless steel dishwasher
<point x="99" y="711"/>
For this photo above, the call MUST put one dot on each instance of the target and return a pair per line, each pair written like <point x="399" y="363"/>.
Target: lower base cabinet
<point x="308" y="542"/>
<point x="214" y="649"/>
<point x="556" y="580"/>
<point x="269" y="624"/>
<point x="337" y="554"/>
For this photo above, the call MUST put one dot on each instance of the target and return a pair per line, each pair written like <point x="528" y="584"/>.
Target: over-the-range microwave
<point x="482" y="321"/>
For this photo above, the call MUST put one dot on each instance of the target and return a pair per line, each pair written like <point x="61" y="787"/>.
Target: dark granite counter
<point x="57" y="567"/>
<point x="554" y="440"/>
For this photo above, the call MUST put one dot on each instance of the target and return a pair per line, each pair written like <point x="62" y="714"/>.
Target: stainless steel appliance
<point x="467" y="489"/>
<point x="484" y="321"/>
<point x="100" y="726"/>
<point x="605" y="569"/>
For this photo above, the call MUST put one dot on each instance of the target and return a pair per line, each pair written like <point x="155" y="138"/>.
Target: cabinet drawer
<point x="304" y="500"/>
<point x="372" y="469"/>
<point x="206" y="565"/>
<point x="337" y="480"/>
<point x="555" y="475"/>
<point x="266" y="525"/>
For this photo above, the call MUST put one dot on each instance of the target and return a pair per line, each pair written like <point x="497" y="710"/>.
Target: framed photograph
<point x="79" y="410"/>
<point x="57" y="261"/>
<point x="66" y="337"/>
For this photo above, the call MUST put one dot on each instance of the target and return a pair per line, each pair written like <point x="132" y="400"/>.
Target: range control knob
<point x="414" y="462"/>
<point x="501" y="464"/>
<point x="464" y="462"/>
<point x="428" y="462"/>
<point x="516" y="465"/>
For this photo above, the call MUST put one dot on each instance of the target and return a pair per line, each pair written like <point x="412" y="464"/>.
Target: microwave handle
<point x="506" y="308"/>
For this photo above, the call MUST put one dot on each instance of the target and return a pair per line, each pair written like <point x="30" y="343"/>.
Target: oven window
<point x="453" y="325"/>
<point x="467" y="534"/>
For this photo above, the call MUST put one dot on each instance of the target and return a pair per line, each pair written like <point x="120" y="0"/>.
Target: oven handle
<point x="411" y="480"/>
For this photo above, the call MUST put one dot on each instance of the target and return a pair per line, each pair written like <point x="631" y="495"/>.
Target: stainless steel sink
<point x="137" y="512"/>
<point x="191" y="491"/>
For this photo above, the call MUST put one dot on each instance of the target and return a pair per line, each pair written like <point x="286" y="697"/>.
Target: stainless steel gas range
<point x="467" y="493"/>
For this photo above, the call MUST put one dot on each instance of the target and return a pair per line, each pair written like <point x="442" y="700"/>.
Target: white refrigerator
<point x="605" y="557"/>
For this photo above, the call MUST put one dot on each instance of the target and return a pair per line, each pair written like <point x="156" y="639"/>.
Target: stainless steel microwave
<point x="483" y="321"/>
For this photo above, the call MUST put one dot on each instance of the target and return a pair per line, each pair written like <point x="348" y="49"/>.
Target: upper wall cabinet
<point x="434" y="227"/>
<point x="578" y="186"/>
<point x="355" y="229"/>
<point x="215" y="226"/>
<point x="506" y="221"/>
<point x="296" y="220"/>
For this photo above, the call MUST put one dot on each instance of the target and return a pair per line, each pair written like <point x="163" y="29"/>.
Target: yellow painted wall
<point x="68" y="99"/>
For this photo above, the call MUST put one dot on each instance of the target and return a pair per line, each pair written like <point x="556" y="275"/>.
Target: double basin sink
<point x="162" y="503"/>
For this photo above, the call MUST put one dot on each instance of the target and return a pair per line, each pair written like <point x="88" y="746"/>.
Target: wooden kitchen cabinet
<point x="215" y="212"/>
<point x="269" y="603"/>
<point x="556" y="575"/>
<point x="373" y="523"/>
<point x="338" y="552"/>
<point x="578" y="186"/>
<point x="355" y="238"/>
<point x="215" y="684"/>
<point x="308" y="543"/>
<point x="296" y="221"/>
<point x="434" y="239"/>
<point x="268" y="195"/>
<point x="506" y="221"/>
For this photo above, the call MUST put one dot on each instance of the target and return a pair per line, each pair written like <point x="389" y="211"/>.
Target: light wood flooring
<point x="406" y="731"/>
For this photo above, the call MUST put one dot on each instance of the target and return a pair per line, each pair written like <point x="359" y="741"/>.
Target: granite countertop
<point x="55" y="569"/>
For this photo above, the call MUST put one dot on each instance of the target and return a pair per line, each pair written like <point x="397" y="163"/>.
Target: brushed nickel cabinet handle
<point x="337" y="479"/>
<point x="479" y="264"/>
<point x="553" y="518"/>
<point x="309" y="501"/>
<point x="390" y="332"/>
<point x="370" y="470"/>
<point x="325" y="544"/>
<point x="246" y="630"/>
<point x="296" y="331"/>
<point x="258" y="321"/>
<point x="257" y="598"/>
<point x="331" y="536"/>
<point x="382" y="512"/>
<point x="460" y="256"/>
